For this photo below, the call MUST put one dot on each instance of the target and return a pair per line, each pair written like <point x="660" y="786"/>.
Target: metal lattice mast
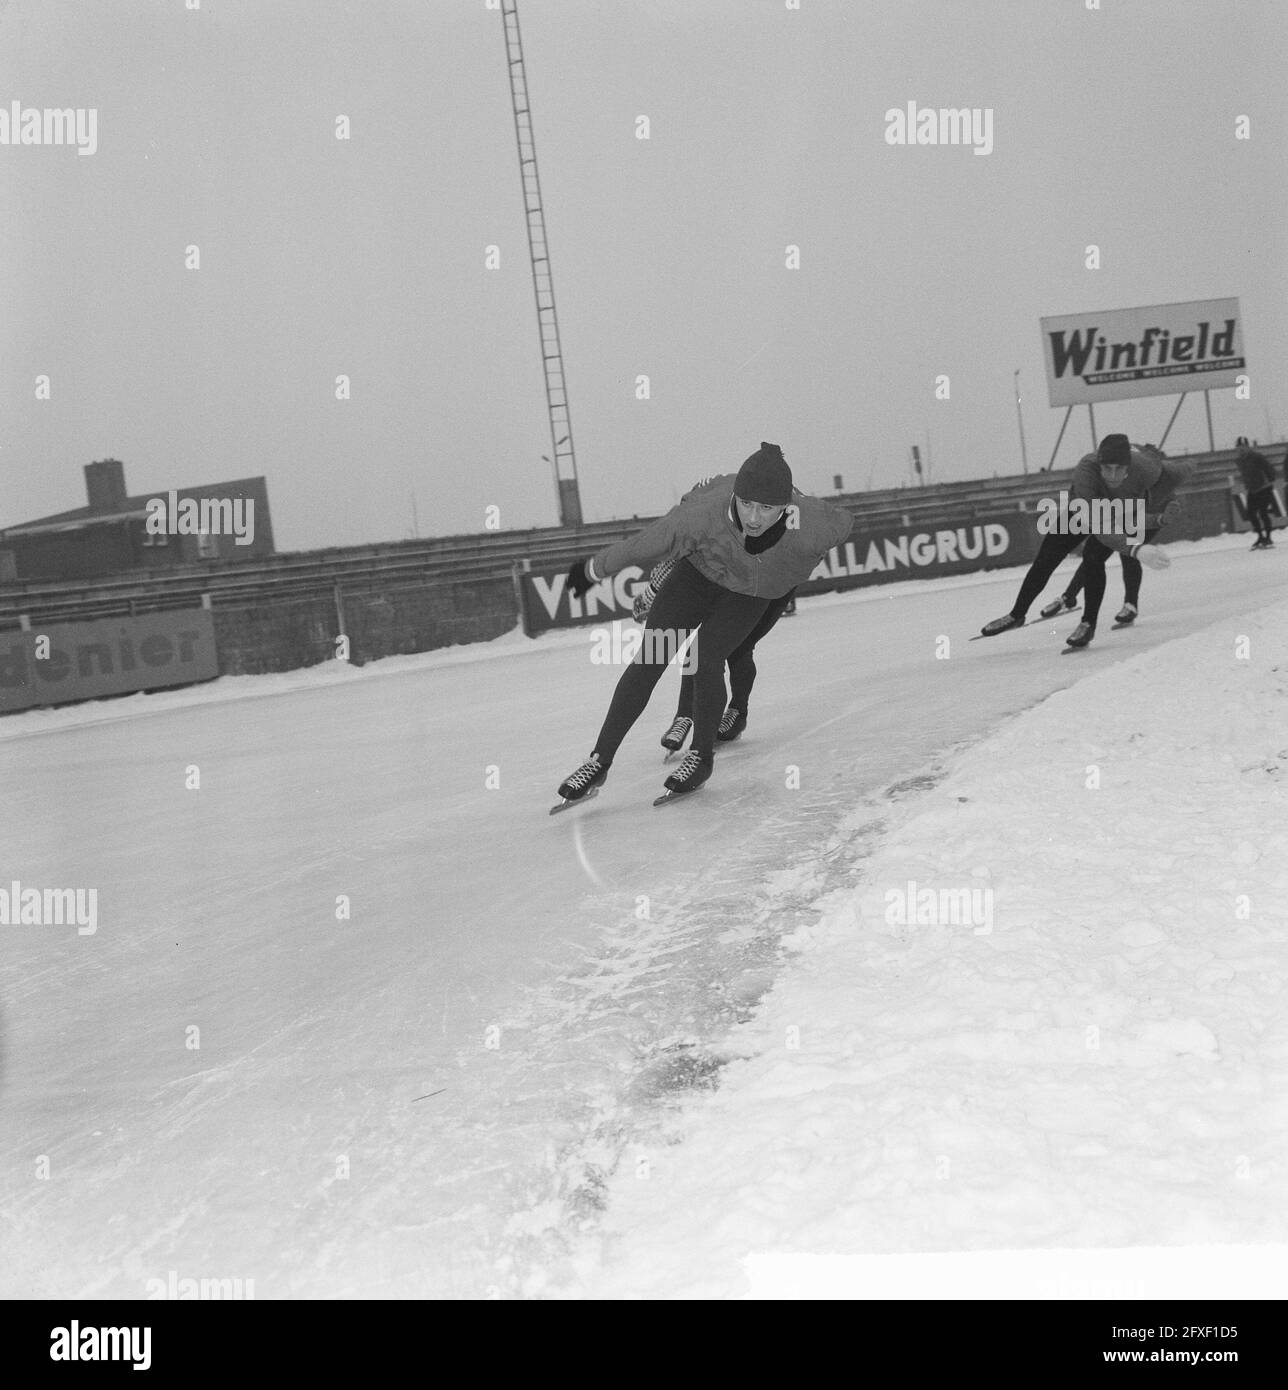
<point x="563" y="456"/>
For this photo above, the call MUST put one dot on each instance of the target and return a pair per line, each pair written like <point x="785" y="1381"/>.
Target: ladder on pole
<point x="563" y="456"/>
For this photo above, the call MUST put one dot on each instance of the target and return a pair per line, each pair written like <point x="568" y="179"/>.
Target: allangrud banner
<point x="1160" y="350"/>
<point x="869" y="557"/>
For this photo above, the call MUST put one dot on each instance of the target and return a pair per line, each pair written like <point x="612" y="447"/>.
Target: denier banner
<point x="1160" y="350"/>
<point x="868" y="557"/>
<point x="80" y="661"/>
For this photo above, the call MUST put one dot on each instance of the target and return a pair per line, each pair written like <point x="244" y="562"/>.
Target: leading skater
<point x="741" y="663"/>
<point x="1115" y="471"/>
<point x="745" y="541"/>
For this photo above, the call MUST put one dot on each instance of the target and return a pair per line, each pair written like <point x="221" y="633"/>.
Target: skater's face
<point x="1114" y="475"/>
<point x="756" y="516"/>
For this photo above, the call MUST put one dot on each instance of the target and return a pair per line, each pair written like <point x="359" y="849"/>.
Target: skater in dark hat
<point x="1115" y="471"/>
<point x="1167" y="508"/>
<point x="745" y="540"/>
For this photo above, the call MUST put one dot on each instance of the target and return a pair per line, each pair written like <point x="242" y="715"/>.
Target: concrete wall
<point x="289" y="633"/>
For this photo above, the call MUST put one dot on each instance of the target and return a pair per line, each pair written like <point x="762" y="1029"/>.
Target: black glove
<point x="578" y="580"/>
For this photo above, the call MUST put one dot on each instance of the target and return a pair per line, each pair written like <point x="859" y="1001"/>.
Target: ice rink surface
<point x="225" y="1081"/>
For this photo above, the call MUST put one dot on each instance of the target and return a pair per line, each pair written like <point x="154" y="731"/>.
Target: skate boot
<point x="673" y="739"/>
<point x="1063" y="604"/>
<point x="1126" y="614"/>
<point x="689" y="776"/>
<point x="582" y="784"/>
<point x="1080" y="636"/>
<point x="732" y="723"/>
<point x="1002" y="624"/>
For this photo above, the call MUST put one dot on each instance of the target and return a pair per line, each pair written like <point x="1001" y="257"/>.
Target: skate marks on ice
<point x="652" y="999"/>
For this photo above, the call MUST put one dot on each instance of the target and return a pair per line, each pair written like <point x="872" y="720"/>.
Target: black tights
<point x="1133" y="571"/>
<point x="1053" y="549"/>
<point x="1260" y="504"/>
<point x="741" y="661"/>
<point x="686" y="601"/>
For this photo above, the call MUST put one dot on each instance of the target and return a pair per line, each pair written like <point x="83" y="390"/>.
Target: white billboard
<point x="1159" y="350"/>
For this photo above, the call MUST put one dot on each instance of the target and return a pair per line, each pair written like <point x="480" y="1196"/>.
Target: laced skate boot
<point x="1002" y="624"/>
<point x="582" y="784"/>
<point x="673" y="739"/>
<point x="689" y="776"/>
<point x="732" y="723"/>
<point x="1063" y="604"/>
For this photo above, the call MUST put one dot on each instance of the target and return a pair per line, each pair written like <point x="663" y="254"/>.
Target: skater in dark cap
<point x="745" y="540"/>
<point x="1133" y="572"/>
<point x="1115" y="471"/>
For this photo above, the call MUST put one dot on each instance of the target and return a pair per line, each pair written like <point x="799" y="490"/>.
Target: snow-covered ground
<point x="1085" y="1047"/>
<point x="507" y="1070"/>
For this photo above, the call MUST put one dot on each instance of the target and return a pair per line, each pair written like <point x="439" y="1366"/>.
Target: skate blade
<point x="674" y="796"/>
<point x="567" y="805"/>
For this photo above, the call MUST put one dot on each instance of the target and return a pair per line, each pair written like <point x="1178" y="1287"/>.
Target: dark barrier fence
<point x="288" y="611"/>
<point x="285" y="635"/>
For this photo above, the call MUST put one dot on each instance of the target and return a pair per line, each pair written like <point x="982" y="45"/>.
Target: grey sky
<point x="366" y="257"/>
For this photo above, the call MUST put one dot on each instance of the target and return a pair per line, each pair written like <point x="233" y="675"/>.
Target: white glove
<point x="1152" y="556"/>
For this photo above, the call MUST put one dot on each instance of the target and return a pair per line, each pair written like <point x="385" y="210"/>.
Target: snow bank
<point x="1048" y="1015"/>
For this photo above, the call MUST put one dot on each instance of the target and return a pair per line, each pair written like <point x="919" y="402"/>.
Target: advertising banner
<point x="62" y="662"/>
<point x="1160" y="350"/>
<point x="868" y="557"/>
<point x="922" y="552"/>
<point x="546" y="603"/>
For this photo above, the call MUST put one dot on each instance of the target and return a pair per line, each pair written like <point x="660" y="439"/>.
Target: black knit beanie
<point x="765" y="478"/>
<point x="1114" y="451"/>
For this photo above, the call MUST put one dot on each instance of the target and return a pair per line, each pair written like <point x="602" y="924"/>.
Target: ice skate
<point x="732" y="723"/>
<point x="673" y="739"/>
<point x="581" y="785"/>
<point x="688" y="777"/>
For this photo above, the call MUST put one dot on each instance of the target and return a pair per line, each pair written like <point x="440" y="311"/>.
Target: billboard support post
<point x="1091" y="415"/>
<point x="1172" y="421"/>
<point x="1063" y="426"/>
<point x="1207" y="405"/>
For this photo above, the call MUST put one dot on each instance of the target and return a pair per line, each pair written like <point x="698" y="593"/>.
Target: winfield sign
<point x="1159" y="350"/>
<point x="82" y="661"/>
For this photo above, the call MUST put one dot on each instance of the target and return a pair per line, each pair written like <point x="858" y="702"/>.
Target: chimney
<point x="105" y="485"/>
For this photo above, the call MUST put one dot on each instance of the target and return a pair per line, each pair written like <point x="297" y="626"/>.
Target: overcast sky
<point x="366" y="257"/>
